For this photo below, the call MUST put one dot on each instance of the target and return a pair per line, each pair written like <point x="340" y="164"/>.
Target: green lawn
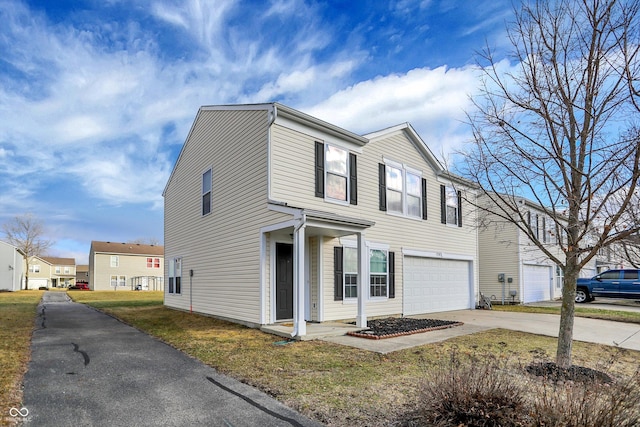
<point x="17" y="316"/>
<point x="334" y="384"/>
<point x="581" y="310"/>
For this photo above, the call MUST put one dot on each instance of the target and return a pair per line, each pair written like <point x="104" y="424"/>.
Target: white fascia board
<point x="413" y="136"/>
<point x="436" y="254"/>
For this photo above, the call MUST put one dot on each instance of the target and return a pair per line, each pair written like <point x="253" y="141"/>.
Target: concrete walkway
<point x="88" y="369"/>
<point x="625" y="335"/>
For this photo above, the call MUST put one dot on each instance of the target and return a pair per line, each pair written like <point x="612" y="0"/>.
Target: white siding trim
<point x="431" y="254"/>
<point x="263" y="284"/>
<point x="307" y="281"/>
<point x="320" y="280"/>
<point x="278" y="226"/>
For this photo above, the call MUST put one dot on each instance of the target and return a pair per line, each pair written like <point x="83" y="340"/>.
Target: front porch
<point x="315" y="331"/>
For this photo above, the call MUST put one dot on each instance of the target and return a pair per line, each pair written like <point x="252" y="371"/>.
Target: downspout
<point x="296" y="272"/>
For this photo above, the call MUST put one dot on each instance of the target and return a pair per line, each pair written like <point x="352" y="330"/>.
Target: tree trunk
<point x="565" y="334"/>
<point x="26" y="278"/>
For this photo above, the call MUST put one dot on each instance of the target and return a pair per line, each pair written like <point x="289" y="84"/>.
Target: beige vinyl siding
<point x="222" y="248"/>
<point x="499" y="253"/>
<point x="506" y="249"/>
<point x="398" y="232"/>
<point x="129" y="266"/>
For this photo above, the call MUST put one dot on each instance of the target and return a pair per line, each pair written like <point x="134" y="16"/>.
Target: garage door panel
<point x="434" y="284"/>
<point x="537" y="283"/>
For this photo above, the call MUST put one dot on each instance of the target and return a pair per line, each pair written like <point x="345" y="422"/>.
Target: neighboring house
<point x="11" y="267"/>
<point x="512" y="268"/>
<point x="617" y="256"/>
<point x="273" y="215"/>
<point x="82" y="274"/>
<point x="63" y="271"/>
<point x="126" y="266"/>
<point x="51" y="272"/>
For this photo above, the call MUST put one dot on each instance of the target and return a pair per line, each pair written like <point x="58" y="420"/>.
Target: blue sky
<point x="97" y="97"/>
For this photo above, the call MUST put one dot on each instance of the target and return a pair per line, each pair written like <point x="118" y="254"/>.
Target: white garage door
<point x="432" y="285"/>
<point x="537" y="283"/>
<point x="36" y="283"/>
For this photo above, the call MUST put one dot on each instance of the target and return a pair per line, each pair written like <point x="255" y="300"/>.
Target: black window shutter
<point x="319" y="169"/>
<point x="459" y="208"/>
<point x="424" y="198"/>
<point x="353" y="178"/>
<point x="392" y="275"/>
<point x="443" y="204"/>
<point x="337" y="274"/>
<point x="382" y="187"/>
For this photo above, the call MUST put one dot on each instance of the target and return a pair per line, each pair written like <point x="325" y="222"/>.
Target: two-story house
<point x="12" y="263"/>
<point x="63" y="271"/>
<point x="125" y="266"/>
<point x="273" y="215"/>
<point x="512" y="268"/>
<point x="51" y="272"/>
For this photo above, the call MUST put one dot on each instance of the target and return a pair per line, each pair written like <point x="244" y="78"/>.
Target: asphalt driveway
<point x="89" y="369"/>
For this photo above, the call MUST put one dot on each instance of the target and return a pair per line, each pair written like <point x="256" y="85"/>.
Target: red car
<point x="80" y="286"/>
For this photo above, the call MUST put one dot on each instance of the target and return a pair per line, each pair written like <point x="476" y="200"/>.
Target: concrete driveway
<point x="625" y="335"/>
<point x="89" y="369"/>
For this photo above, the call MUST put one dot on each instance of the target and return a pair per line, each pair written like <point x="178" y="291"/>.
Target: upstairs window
<point x="153" y="262"/>
<point x="115" y="261"/>
<point x="206" y="192"/>
<point x="450" y="206"/>
<point x="402" y="191"/>
<point x="335" y="174"/>
<point x="34" y="268"/>
<point x="67" y="270"/>
<point x="57" y="269"/>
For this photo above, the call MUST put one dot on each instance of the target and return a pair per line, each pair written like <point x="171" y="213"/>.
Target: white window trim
<point x="351" y="243"/>
<point x="173" y="273"/>
<point x="202" y="193"/>
<point x="347" y="176"/>
<point x="118" y="277"/>
<point x="404" y="169"/>
<point x="449" y="187"/>
<point x="115" y="258"/>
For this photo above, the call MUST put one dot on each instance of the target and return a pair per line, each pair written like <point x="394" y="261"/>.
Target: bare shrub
<point x="488" y="391"/>
<point x="592" y="404"/>
<point x="471" y="391"/>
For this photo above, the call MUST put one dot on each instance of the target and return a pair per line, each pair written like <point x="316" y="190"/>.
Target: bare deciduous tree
<point x="26" y="233"/>
<point x="558" y="127"/>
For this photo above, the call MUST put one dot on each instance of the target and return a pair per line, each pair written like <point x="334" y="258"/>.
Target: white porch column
<point x="361" y="318"/>
<point x="300" y="325"/>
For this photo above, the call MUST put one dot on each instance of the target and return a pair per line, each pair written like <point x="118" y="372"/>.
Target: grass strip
<point x="17" y="316"/>
<point x="593" y="313"/>
<point x="333" y="384"/>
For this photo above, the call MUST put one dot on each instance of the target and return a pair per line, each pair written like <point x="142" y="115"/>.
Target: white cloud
<point x="434" y="101"/>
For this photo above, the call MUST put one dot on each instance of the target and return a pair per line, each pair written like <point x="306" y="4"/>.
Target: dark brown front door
<point x="284" y="281"/>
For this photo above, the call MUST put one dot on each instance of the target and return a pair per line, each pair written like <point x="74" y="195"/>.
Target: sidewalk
<point x="624" y="335"/>
<point x="89" y="369"/>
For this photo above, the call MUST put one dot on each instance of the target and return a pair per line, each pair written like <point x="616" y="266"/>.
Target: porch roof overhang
<point x="332" y="224"/>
